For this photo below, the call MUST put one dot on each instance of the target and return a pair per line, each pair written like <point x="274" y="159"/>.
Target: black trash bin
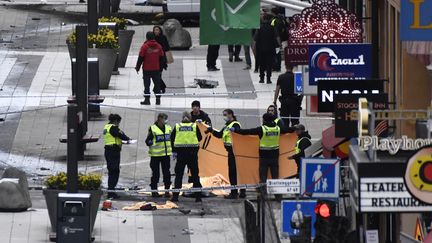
<point x="73" y="222"/>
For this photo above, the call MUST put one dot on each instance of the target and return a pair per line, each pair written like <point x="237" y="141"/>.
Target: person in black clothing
<point x="113" y="138"/>
<point x="272" y="109"/>
<point x="234" y="51"/>
<point x="231" y="125"/>
<point x="198" y="115"/>
<point x="186" y="155"/>
<point x="303" y="142"/>
<point x="290" y="102"/>
<point x="212" y="56"/>
<point x="281" y="26"/>
<point x="268" y="158"/>
<point x="160" y="157"/>
<point x="265" y="45"/>
<point x="163" y="41"/>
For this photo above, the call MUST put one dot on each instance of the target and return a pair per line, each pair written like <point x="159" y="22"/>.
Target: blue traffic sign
<point x="298" y="80"/>
<point x="298" y="218"/>
<point x="320" y="177"/>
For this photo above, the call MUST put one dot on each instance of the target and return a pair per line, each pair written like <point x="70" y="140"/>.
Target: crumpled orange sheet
<point x="209" y="181"/>
<point x="138" y="205"/>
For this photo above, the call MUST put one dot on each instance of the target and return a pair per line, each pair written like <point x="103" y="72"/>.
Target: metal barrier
<point x="251" y="221"/>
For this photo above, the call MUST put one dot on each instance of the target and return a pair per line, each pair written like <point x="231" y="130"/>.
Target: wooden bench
<point x="85" y="139"/>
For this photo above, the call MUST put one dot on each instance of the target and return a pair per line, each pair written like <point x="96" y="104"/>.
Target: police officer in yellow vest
<point x="303" y="142"/>
<point x="113" y="138"/>
<point x="160" y="151"/>
<point x="269" y="134"/>
<point x="272" y="109"/>
<point x="231" y="125"/>
<point x="185" y="138"/>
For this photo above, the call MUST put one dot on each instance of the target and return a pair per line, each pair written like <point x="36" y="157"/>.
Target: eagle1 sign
<point x="339" y="62"/>
<point x="320" y="177"/>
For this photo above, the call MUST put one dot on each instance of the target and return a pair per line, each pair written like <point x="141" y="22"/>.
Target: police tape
<point x="139" y="96"/>
<point x="209" y="113"/>
<point x="30" y="110"/>
<point x="193" y="189"/>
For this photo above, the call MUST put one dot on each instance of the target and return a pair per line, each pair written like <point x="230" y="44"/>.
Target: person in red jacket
<point x="149" y="58"/>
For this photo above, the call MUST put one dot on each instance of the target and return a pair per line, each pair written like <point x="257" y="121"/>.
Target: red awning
<point x="330" y="141"/>
<point x="422" y="50"/>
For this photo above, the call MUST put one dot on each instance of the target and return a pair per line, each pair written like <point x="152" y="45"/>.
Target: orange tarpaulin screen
<point x="212" y="157"/>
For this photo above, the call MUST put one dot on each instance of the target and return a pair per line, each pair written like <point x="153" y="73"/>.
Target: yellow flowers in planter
<point x="121" y="22"/>
<point x="105" y="38"/>
<point x="85" y="182"/>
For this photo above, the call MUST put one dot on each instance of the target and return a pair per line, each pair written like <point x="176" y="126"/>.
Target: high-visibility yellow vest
<point x="273" y="22"/>
<point x="161" y="141"/>
<point x="276" y="120"/>
<point x="226" y="135"/>
<point x="270" y="138"/>
<point x="297" y="150"/>
<point x="186" y="135"/>
<point x="110" y="139"/>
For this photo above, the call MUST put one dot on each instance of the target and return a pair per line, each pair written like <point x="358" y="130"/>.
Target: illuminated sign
<point x="416" y="20"/>
<point x="323" y="23"/>
<point x="418" y="175"/>
<point x="339" y="61"/>
<point x="328" y="89"/>
<point x="392" y="145"/>
<point x="388" y="194"/>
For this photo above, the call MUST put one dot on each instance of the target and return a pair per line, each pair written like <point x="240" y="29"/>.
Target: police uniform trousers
<point x="112" y="157"/>
<point x="155" y="164"/>
<point x="268" y="163"/>
<point x="232" y="168"/>
<point x="187" y="157"/>
<point x="290" y="107"/>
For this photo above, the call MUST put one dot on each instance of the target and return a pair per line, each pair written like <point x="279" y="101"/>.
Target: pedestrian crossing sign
<point x="319" y="177"/>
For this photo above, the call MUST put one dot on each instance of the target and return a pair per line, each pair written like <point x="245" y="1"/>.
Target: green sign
<point x="238" y="14"/>
<point x="213" y="33"/>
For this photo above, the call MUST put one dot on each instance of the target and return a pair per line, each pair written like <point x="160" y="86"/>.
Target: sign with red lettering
<point x="323" y="23"/>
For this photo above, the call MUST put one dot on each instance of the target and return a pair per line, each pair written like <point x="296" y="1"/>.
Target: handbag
<point x="169" y="57"/>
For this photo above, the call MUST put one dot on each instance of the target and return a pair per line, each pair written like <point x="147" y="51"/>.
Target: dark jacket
<point x="219" y="134"/>
<point x="266" y="39"/>
<point x="149" y="56"/>
<point x="203" y="116"/>
<point x="180" y="150"/>
<point x="258" y="131"/>
<point x="163" y="41"/>
<point x="304" y="144"/>
<point x="117" y="133"/>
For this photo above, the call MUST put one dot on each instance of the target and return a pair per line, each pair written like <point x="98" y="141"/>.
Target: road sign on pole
<point x="283" y="186"/>
<point x="320" y="177"/>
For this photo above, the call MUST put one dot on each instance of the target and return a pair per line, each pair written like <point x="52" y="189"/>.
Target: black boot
<point x="198" y="197"/>
<point x="230" y="59"/>
<point x="146" y="101"/>
<point x="269" y="80"/>
<point x="155" y="194"/>
<point x="242" y="193"/>
<point x="175" y="197"/>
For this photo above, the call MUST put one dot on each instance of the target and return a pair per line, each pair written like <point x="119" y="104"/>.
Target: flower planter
<point x="51" y="202"/>
<point x="72" y="51"/>
<point x="107" y="58"/>
<point x="125" y="40"/>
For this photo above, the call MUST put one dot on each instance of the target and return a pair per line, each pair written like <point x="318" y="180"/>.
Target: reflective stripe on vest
<point x="161" y="141"/>
<point x="276" y="121"/>
<point x="270" y="138"/>
<point x="273" y="22"/>
<point x="297" y="150"/>
<point x="110" y="139"/>
<point x="226" y="135"/>
<point x="186" y="135"/>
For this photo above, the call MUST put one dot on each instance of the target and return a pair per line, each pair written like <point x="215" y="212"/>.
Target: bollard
<point x="81" y="75"/>
<point x="104" y="8"/>
<point x="72" y="148"/>
<point x="93" y="85"/>
<point x="92" y="16"/>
